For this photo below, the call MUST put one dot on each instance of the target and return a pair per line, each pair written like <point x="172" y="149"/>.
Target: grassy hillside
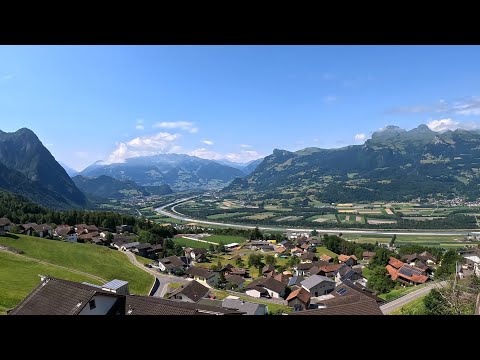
<point x="19" y="276"/>
<point x="93" y="259"/>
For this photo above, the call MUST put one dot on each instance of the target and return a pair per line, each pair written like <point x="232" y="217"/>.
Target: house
<point x="325" y="257"/>
<point x="123" y="228"/>
<point x="62" y="297"/>
<point x="404" y="273"/>
<point x="85" y="229"/>
<point x="191" y="292"/>
<point x="204" y="276"/>
<point x="5" y="225"/>
<point x="67" y="233"/>
<point x="143" y="249"/>
<point x="88" y="237"/>
<point x="302" y="269"/>
<point x="307" y="257"/>
<point x="295" y="281"/>
<point x="239" y="272"/>
<point x="428" y="258"/>
<point x="474" y="259"/>
<point x="172" y="264"/>
<point x="284" y="278"/>
<point x="299" y="299"/>
<point x="237" y="280"/>
<point x="367" y="255"/>
<point x="267" y="287"/>
<point x="348" y="273"/>
<point x="352" y="305"/>
<point x="28" y="229"/>
<point x="268" y="271"/>
<point x="349" y="260"/>
<point x="318" y="285"/>
<point x="128" y="246"/>
<point x="198" y="254"/>
<point x="249" y="308"/>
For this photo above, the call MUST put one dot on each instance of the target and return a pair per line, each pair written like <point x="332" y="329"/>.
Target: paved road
<point x="58" y="266"/>
<point x="398" y="303"/>
<point x="163" y="278"/>
<point x="176" y="215"/>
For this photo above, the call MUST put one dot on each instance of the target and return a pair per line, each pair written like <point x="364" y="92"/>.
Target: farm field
<point x="441" y="241"/>
<point x="93" y="259"/>
<point x="226" y="216"/>
<point x="191" y="243"/>
<point x="260" y="216"/>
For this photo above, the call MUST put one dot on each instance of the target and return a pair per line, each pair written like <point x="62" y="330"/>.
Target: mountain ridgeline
<point x="180" y="172"/>
<point x="27" y="168"/>
<point x="394" y="165"/>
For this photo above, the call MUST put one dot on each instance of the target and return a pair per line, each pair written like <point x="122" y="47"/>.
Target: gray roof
<point x="314" y="280"/>
<point x="144" y="246"/>
<point x="4" y="222"/>
<point x="295" y="280"/>
<point x="247" y="307"/>
<point x="115" y="284"/>
<point x="130" y="245"/>
<point x="201" y="272"/>
<point x="193" y="290"/>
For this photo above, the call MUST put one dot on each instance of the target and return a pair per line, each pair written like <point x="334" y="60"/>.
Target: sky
<point x="237" y="103"/>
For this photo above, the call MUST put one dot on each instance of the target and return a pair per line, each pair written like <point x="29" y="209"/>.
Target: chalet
<point x="88" y="237"/>
<point x="237" y="280"/>
<point x="349" y="260"/>
<point x="191" y="292"/>
<point x="67" y="233"/>
<point x="204" y="276"/>
<point x="307" y="257"/>
<point x="62" y="297"/>
<point x="325" y="257"/>
<point x="367" y="255"/>
<point x="267" y="287"/>
<point x="299" y="299"/>
<point x="318" y="285"/>
<point x="42" y="230"/>
<point x="198" y="254"/>
<point x="128" y="246"/>
<point x="330" y="271"/>
<point x="117" y="243"/>
<point x="239" y="272"/>
<point x="172" y="264"/>
<point x="302" y="269"/>
<point x="268" y="271"/>
<point x="85" y="229"/>
<point x="249" y="308"/>
<point x="404" y="273"/>
<point x="5" y="225"/>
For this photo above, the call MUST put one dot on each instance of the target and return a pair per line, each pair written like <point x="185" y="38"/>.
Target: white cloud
<point x="182" y="125"/>
<point x="140" y="121"/>
<point x="139" y="127"/>
<point x="450" y="124"/>
<point x="160" y="143"/>
<point x="245" y="146"/>
<point x="207" y="142"/>
<point x="360" y="137"/>
<point x="81" y="154"/>
<point x="243" y="156"/>
<point x="329" y="99"/>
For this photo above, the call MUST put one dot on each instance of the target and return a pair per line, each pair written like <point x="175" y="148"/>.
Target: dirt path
<point x="58" y="266"/>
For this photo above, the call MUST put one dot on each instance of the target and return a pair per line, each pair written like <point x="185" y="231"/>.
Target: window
<point x="92" y="304"/>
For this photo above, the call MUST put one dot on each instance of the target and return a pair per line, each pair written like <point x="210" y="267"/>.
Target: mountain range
<point x="180" y="172"/>
<point x="394" y="164"/>
<point x="29" y="169"/>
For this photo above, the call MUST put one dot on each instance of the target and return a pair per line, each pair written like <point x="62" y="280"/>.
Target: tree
<point x="221" y="247"/>
<point x="255" y="260"/>
<point x="448" y="264"/>
<point x="16" y="229"/>
<point x="211" y="248"/>
<point x="239" y="262"/>
<point x="380" y="259"/>
<point x="314" y="233"/>
<point x="109" y="237"/>
<point x="293" y="260"/>
<point x="270" y="260"/>
<point x="394" y="237"/>
<point x="335" y="260"/>
<point x="379" y="280"/>
<point x="256" y="234"/>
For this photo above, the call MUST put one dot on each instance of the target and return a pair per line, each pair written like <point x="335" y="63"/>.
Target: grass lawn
<point x="190" y="243"/>
<point x="399" y="292"/>
<point x="97" y="260"/>
<point x="260" y="216"/>
<point x="143" y="260"/>
<point x="226" y="239"/>
<point x="19" y="276"/>
<point x="323" y="250"/>
<point x="415" y="307"/>
<point x="272" y="308"/>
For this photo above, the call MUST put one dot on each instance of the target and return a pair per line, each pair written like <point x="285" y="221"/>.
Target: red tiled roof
<point x="392" y="272"/>
<point x="397" y="264"/>
<point x="344" y="258"/>
<point x="325" y="257"/>
<point x="302" y="294"/>
<point x="331" y="268"/>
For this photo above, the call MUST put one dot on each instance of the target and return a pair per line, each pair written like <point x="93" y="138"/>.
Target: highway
<point x="176" y="215"/>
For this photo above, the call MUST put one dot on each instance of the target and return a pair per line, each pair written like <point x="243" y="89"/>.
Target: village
<point x="256" y="277"/>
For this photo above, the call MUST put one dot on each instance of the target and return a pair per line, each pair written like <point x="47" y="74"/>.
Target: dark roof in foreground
<point x="57" y="297"/>
<point x="362" y="307"/>
<point x="63" y="297"/>
<point x="193" y="290"/>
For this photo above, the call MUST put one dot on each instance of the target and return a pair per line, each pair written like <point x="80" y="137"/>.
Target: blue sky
<point x="89" y="103"/>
